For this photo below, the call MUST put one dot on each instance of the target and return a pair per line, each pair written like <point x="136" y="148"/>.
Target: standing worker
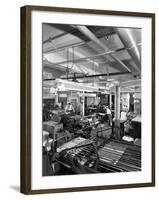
<point x="69" y="108"/>
<point x="109" y="114"/>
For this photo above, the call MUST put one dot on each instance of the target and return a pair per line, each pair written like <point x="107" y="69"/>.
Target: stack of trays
<point x="122" y="156"/>
<point x="112" y="152"/>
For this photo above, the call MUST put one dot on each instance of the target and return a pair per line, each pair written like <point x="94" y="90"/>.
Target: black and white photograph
<point x="91" y="99"/>
<point x="88" y="99"/>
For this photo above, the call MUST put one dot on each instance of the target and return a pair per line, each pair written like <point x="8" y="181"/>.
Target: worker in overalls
<point x="109" y="114"/>
<point x="69" y="108"/>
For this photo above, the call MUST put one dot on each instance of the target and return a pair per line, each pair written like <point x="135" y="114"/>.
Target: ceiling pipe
<point x="96" y="75"/>
<point x="91" y="36"/>
<point x="127" y="39"/>
<point x="90" y="76"/>
<point x="132" y="83"/>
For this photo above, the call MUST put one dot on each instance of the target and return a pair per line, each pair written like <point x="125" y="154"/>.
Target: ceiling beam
<point x="70" y="30"/>
<point x="55" y="37"/>
<point x="53" y="50"/>
<point x="129" y="63"/>
<point x="120" y="63"/>
<point x="127" y="39"/>
<point x="59" y="67"/>
<point x="82" y="59"/>
<point x="131" y="83"/>
<point x="78" y="44"/>
<point x="91" y="36"/>
<point x="64" y="48"/>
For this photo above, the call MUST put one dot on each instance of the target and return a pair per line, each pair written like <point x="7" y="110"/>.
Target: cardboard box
<point x="52" y="127"/>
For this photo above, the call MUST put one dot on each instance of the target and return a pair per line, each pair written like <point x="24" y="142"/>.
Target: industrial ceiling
<point x="93" y="54"/>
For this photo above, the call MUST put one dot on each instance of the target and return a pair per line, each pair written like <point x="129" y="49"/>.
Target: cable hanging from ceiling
<point x="68" y="68"/>
<point x="94" y="72"/>
<point x="73" y="57"/>
<point x="107" y="77"/>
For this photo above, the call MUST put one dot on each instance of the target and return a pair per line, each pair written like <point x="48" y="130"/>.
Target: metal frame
<point x="26" y="98"/>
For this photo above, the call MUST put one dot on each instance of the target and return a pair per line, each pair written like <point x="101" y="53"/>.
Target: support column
<point x="56" y="98"/>
<point x="83" y="104"/>
<point x="117" y="102"/>
<point x="110" y="100"/>
<point x="117" y="134"/>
